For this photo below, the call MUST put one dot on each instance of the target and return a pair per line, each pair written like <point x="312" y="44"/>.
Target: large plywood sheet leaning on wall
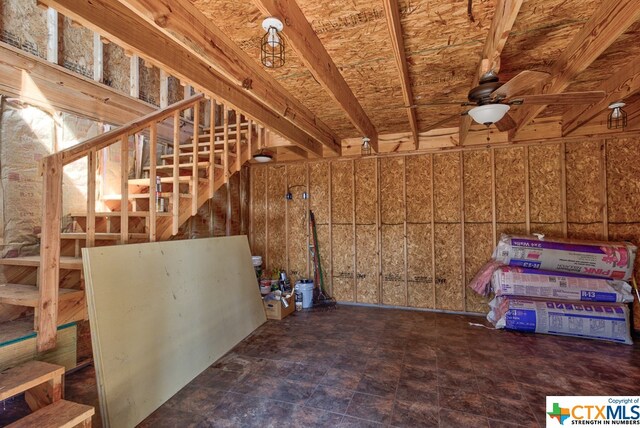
<point x="161" y="313"/>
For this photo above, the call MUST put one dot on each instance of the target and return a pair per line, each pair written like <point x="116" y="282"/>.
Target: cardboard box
<point x="275" y="310"/>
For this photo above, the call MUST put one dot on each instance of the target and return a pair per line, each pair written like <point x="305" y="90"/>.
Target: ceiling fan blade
<point x="587" y="97"/>
<point x="506" y="123"/>
<point x="521" y="82"/>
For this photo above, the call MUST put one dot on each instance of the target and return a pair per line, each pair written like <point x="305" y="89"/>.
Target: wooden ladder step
<point x="117" y="214"/>
<point x="28" y="295"/>
<point x="18" y="379"/>
<point x="102" y="236"/>
<point x="66" y="262"/>
<point x="61" y="414"/>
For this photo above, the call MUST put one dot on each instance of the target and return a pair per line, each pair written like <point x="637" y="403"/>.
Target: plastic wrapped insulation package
<point x="602" y="259"/>
<point x="515" y="281"/>
<point x="482" y="281"/>
<point x="603" y="321"/>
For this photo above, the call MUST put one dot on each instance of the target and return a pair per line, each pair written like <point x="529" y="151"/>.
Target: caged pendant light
<point x="617" y="116"/>
<point x="272" y="44"/>
<point x="365" y="150"/>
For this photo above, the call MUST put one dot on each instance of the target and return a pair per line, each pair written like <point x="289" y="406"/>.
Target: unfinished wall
<point x="24" y="25"/>
<point x="412" y="230"/>
<point x="75" y="46"/>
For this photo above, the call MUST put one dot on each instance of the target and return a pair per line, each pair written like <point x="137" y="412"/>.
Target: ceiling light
<point x="489" y="113"/>
<point x="365" y="150"/>
<point x="617" y="116"/>
<point x="272" y="44"/>
<point x="263" y="157"/>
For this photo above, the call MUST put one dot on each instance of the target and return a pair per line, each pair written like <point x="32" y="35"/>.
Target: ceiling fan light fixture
<point x="489" y="114"/>
<point x="617" y="116"/>
<point x="263" y="157"/>
<point x="272" y="44"/>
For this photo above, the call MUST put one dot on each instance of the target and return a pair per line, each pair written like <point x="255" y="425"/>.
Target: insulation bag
<point x="515" y="281"/>
<point x="602" y="259"/>
<point x="587" y="320"/>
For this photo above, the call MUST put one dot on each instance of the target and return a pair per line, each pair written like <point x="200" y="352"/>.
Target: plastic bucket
<point x="257" y="260"/>
<point x="306" y="288"/>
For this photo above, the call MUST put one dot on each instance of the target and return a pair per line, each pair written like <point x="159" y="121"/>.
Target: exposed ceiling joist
<point x="392" y="10"/>
<point x="128" y="30"/>
<point x="305" y="42"/>
<point x="184" y="23"/>
<point x="608" y="22"/>
<point x="503" y="19"/>
<point x="621" y="85"/>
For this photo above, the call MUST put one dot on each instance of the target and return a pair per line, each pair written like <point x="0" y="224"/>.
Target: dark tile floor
<point x="367" y="367"/>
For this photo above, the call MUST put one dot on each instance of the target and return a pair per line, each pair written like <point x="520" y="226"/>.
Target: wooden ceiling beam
<point x="503" y="20"/>
<point x="392" y="10"/>
<point x="608" y="22"/>
<point x="121" y="25"/>
<point x="305" y="42"/>
<point x="621" y="85"/>
<point x="184" y="23"/>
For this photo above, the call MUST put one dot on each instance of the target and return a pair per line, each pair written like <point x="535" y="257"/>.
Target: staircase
<point x="188" y="177"/>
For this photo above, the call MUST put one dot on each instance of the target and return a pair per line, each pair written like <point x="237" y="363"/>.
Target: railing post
<point x="92" y="162"/>
<point x="196" y="158"/>
<point x="225" y="152"/>
<point x="153" y="196"/>
<point x="238" y="138"/>
<point x="249" y="139"/>
<point x="175" y="225"/>
<point x="124" y="189"/>
<point x="49" y="272"/>
<point x="212" y="147"/>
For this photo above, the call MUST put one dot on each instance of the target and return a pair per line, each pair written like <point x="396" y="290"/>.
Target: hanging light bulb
<point x="617" y="116"/>
<point x="272" y="45"/>
<point x="365" y="150"/>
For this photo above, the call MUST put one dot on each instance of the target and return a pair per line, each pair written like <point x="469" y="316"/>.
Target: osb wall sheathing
<point x="116" y="67"/>
<point x="298" y="249"/>
<point x="75" y="47"/>
<point x="149" y="83"/>
<point x="320" y="204"/>
<point x="24" y="25"/>
<point x="276" y="217"/>
<point x="342" y="239"/>
<point x="456" y="203"/>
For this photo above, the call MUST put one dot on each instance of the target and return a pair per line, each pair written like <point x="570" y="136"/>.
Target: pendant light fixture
<point x="365" y="150"/>
<point x="263" y="157"/>
<point x="617" y="116"/>
<point x="272" y="44"/>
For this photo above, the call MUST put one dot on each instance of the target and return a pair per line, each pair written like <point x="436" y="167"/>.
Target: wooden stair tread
<point x="164" y="180"/>
<point x="180" y="166"/>
<point x="18" y="379"/>
<point x="61" y="414"/>
<point x="117" y="214"/>
<point x="28" y="295"/>
<point x="66" y="262"/>
<point x="102" y="236"/>
<point x="143" y="196"/>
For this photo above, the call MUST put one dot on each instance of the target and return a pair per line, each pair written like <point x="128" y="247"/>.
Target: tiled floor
<point x="361" y="367"/>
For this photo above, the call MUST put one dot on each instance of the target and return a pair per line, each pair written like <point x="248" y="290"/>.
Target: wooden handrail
<point x="103" y="140"/>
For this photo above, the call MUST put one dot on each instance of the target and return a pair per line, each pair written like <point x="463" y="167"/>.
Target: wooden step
<point x="102" y="236"/>
<point x="189" y="166"/>
<point x="28" y="295"/>
<point x="163" y="180"/>
<point x="143" y="196"/>
<point x="71" y="263"/>
<point x="117" y="214"/>
<point x="19" y="379"/>
<point x="61" y="414"/>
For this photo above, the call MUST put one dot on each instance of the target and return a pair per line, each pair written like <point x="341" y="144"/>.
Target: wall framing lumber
<point x="98" y="58"/>
<point x="307" y="45"/>
<point x="184" y="23"/>
<point x="115" y="21"/>
<point x="52" y="35"/>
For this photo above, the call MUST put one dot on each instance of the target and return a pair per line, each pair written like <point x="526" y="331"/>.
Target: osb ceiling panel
<point x="443" y="46"/>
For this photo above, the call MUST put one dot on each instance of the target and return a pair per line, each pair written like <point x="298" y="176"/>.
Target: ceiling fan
<point x="493" y="99"/>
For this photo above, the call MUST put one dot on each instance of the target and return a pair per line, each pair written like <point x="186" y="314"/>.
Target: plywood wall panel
<point x="319" y="191"/>
<point x="510" y="185"/>
<point x="276" y="226"/>
<point x="623" y="169"/>
<point x="367" y="289"/>
<point x="585" y="231"/>
<point x="449" y="288"/>
<point x="446" y="187"/>
<point x="478" y="249"/>
<point x="419" y="189"/>
<point x="342" y="262"/>
<point x="392" y="208"/>
<point x="342" y="192"/>
<point x="477" y="186"/>
<point x="366" y="190"/>
<point x="419" y="266"/>
<point x="545" y="187"/>
<point x="394" y="288"/>
<point x="297" y="232"/>
<point x="584" y="183"/>
<point x="324" y="244"/>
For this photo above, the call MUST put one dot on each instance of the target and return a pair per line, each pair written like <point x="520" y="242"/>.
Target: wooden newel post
<point x="49" y="273"/>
